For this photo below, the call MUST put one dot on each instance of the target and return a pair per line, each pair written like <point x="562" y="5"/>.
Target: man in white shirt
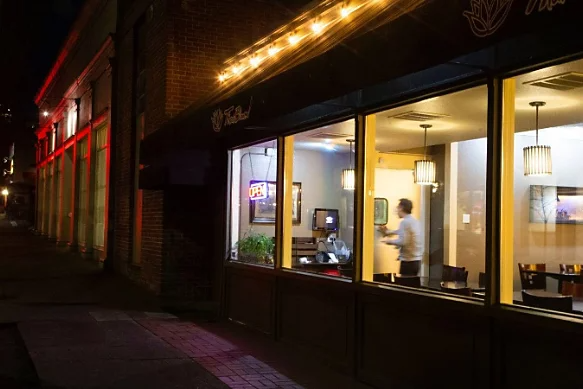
<point x="409" y="239"/>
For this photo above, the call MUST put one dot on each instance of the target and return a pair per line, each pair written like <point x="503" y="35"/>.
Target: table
<point x="557" y="275"/>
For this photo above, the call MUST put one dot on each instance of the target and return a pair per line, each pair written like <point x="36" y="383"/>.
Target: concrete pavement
<point x="64" y="323"/>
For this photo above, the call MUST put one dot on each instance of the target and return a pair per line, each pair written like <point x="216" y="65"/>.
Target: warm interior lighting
<point x="317" y="27"/>
<point x="45" y="113"/>
<point x="5" y="192"/>
<point x="236" y="70"/>
<point x="537" y="159"/>
<point x="348" y="176"/>
<point x="425" y="169"/>
<point x="222" y="77"/>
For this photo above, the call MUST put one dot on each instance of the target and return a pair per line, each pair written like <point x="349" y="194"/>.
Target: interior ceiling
<point x="463" y="116"/>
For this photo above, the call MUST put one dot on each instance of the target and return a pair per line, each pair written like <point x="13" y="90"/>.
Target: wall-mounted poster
<point x="556" y="204"/>
<point x="262" y="209"/>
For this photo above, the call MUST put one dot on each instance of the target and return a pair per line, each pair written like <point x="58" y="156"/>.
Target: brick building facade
<point x="168" y="53"/>
<point x="73" y="135"/>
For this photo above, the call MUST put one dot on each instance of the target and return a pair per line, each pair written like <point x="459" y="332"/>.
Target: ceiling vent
<point x="417" y="116"/>
<point x="330" y="135"/>
<point x="561" y="82"/>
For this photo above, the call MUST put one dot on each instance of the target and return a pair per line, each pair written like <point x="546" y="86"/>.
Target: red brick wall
<point x="187" y="40"/>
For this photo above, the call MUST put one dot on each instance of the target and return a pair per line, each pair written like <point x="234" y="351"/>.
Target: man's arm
<point x="400" y="240"/>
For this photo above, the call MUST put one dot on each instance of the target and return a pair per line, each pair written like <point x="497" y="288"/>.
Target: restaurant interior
<point x="434" y="152"/>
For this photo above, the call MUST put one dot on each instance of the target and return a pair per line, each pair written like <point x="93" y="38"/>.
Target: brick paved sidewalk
<point x="223" y="359"/>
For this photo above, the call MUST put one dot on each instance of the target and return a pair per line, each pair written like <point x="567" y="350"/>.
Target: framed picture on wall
<point x="556" y="204"/>
<point x="262" y="209"/>
<point x="381" y="211"/>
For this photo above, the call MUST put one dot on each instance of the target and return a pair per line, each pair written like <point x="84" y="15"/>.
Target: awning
<point x="432" y="35"/>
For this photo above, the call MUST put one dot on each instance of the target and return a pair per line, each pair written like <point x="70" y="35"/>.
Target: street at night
<point x="314" y="194"/>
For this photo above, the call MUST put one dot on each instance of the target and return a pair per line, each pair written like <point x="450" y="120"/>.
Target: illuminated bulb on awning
<point x="293" y="39"/>
<point x="222" y="77"/>
<point x="255" y="61"/>
<point x="317" y="27"/>
<point x="272" y="51"/>
<point x="345" y="11"/>
<point x="236" y="70"/>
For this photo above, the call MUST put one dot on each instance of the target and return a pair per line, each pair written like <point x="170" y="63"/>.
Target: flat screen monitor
<point x="325" y="220"/>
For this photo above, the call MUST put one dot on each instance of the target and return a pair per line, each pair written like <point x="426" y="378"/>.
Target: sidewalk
<point x="66" y="324"/>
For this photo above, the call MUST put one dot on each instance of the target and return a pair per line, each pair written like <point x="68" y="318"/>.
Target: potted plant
<point x="256" y="248"/>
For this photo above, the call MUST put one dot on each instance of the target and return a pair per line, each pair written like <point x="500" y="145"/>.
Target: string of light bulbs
<point x="311" y="25"/>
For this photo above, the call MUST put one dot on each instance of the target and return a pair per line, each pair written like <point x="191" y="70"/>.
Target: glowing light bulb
<point x="345" y="11"/>
<point x="272" y="51"/>
<point x="317" y="27"/>
<point x="45" y="113"/>
<point x="222" y="77"/>
<point x="293" y="39"/>
<point x="236" y="70"/>
<point x="255" y="61"/>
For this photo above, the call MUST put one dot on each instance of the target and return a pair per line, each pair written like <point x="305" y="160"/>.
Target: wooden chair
<point x="570" y="269"/>
<point x="453" y="273"/>
<point x="573" y="289"/>
<point x="411" y="281"/>
<point x="530" y="280"/>
<point x="457" y="291"/>
<point x="554" y="303"/>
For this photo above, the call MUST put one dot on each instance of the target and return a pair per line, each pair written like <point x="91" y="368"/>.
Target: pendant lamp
<point x="537" y="159"/>
<point x="424" y="173"/>
<point x="348" y="179"/>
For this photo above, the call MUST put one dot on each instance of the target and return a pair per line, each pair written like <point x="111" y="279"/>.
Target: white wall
<point x="319" y="172"/>
<point x="551" y="243"/>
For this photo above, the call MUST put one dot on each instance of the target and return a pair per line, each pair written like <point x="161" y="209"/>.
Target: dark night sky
<point x="31" y="34"/>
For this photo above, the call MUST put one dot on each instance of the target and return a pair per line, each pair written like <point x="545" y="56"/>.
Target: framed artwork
<point x="381" y="211"/>
<point x="556" y="204"/>
<point x="262" y="211"/>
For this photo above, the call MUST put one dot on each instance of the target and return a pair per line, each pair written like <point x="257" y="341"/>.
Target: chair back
<point x="457" y="291"/>
<point x="553" y="303"/>
<point x="570" y="269"/>
<point x="453" y="273"/>
<point x="482" y="280"/>
<point x="532" y="280"/>
<point x="412" y="281"/>
<point x="573" y="289"/>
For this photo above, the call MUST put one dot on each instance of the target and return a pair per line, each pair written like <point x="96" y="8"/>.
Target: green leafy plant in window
<point x="256" y="248"/>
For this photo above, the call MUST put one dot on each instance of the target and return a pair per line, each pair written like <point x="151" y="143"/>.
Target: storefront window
<point x="542" y="189"/>
<point x="425" y="194"/>
<point x="253" y="204"/>
<point x="319" y="200"/>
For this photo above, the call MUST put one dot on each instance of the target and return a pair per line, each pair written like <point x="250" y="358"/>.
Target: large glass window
<point x="100" y="186"/>
<point x="319" y="188"/>
<point x="253" y="204"/>
<point x="82" y="191"/>
<point x="425" y="194"/>
<point x="542" y="189"/>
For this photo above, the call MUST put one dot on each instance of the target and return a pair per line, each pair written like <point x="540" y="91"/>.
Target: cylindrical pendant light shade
<point x="347" y="179"/>
<point x="424" y="173"/>
<point x="537" y="161"/>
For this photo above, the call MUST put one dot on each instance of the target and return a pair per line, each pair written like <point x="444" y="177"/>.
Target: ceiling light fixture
<point x="425" y="169"/>
<point x="45" y="113"/>
<point x="348" y="175"/>
<point x="293" y="39"/>
<point x="255" y="61"/>
<point x="537" y="159"/>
